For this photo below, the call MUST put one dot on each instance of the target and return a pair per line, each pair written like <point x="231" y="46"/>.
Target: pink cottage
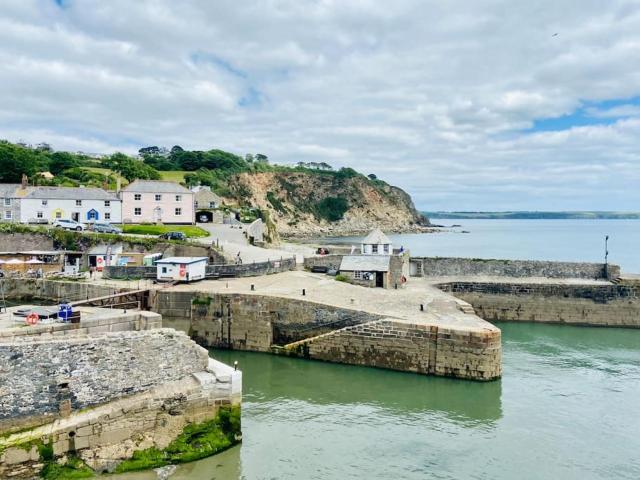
<point x="152" y="201"/>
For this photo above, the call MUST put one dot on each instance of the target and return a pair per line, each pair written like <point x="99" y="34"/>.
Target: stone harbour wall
<point x="330" y="261"/>
<point x="25" y="289"/>
<point x="607" y="305"/>
<point x="408" y="347"/>
<point x="46" y="377"/>
<point x="105" y="435"/>
<point x="460" y="267"/>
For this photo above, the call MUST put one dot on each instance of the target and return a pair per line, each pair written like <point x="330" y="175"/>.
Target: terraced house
<point x="9" y="202"/>
<point x="154" y="201"/>
<point x="86" y="205"/>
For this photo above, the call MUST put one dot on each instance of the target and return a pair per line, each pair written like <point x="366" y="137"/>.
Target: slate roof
<point x="69" y="193"/>
<point x="365" y="263"/>
<point x="156" y="186"/>
<point x="376" y="237"/>
<point x="8" y="190"/>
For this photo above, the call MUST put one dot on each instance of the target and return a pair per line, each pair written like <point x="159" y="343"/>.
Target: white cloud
<point x="436" y="97"/>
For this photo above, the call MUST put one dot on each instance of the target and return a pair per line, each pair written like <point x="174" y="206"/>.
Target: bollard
<point x="235" y="366"/>
<point x="422" y="307"/>
<point x="396" y="286"/>
<point x="304" y="292"/>
<point x="253" y="287"/>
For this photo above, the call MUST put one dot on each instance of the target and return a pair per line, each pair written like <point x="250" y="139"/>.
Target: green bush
<point x="342" y="278"/>
<point x="331" y="209"/>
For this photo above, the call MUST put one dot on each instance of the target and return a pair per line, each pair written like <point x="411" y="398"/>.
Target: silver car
<point x="68" y="225"/>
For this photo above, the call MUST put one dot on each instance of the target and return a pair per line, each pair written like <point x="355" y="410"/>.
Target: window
<point x="137" y="196"/>
<point x="40" y="215"/>
<point x="178" y="211"/>
<point x="7" y="215"/>
<point x="386" y="248"/>
<point x="93" y="215"/>
<point x="45" y="202"/>
<point x="78" y="203"/>
<point x="158" y="197"/>
<point x="164" y="269"/>
<point x="107" y="216"/>
<point x="107" y="203"/>
<point x="178" y="198"/>
<point x="374" y="248"/>
<point x="196" y="204"/>
<point x="212" y="204"/>
<point x="357" y="275"/>
<point x="58" y="215"/>
<point x="7" y="202"/>
<point x="137" y="211"/>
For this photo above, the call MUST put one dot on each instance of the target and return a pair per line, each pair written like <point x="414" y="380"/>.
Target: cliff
<point x="307" y="204"/>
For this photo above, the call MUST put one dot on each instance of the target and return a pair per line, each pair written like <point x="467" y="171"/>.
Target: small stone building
<point x="376" y="243"/>
<point x="206" y="204"/>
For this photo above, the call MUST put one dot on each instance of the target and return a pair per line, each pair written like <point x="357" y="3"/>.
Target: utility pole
<point x="606" y="256"/>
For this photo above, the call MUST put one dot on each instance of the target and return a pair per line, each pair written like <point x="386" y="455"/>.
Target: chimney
<point x="25" y="181"/>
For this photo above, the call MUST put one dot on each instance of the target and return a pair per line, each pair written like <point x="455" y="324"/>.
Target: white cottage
<point x="183" y="269"/>
<point x="376" y="243"/>
<point x="47" y="204"/>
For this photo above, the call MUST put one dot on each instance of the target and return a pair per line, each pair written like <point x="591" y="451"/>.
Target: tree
<point x="154" y="150"/>
<point x="176" y="148"/>
<point x="372" y="176"/>
<point x="248" y="158"/>
<point x="16" y="160"/>
<point x="262" y="158"/>
<point x="60" y="161"/>
<point x="130" y="168"/>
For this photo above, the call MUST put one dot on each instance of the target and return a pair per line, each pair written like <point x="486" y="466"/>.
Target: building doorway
<point x="380" y="279"/>
<point x="75" y="216"/>
<point x="157" y="215"/>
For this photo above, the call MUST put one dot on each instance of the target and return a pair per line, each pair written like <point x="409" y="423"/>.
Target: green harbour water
<point x="567" y="407"/>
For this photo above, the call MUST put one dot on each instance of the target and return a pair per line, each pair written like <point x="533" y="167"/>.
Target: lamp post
<point x="606" y="256"/>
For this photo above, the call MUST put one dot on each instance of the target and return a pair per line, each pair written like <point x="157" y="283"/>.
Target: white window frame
<point x="385" y="248"/>
<point x="158" y="197"/>
<point x="137" y="211"/>
<point x="178" y="198"/>
<point x="39" y="214"/>
<point x="178" y="211"/>
<point x="7" y="202"/>
<point x="137" y="197"/>
<point x="164" y="269"/>
<point x="107" y="215"/>
<point x="107" y="203"/>
<point x="374" y="248"/>
<point x="8" y="215"/>
<point x="44" y="203"/>
<point x="212" y="204"/>
<point x="58" y="215"/>
<point x="78" y="203"/>
<point x="357" y="274"/>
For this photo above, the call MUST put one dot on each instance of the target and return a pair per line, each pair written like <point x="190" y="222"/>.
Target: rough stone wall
<point x="46" y="377"/>
<point x="20" y="242"/>
<point x="25" y="289"/>
<point x="408" y="347"/>
<point x="329" y="261"/>
<point x="104" y="435"/>
<point x="460" y="267"/>
<point x="121" y="271"/>
<point x="599" y="305"/>
<point x="253" y="322"/>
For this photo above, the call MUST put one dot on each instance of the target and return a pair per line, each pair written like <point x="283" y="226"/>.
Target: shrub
<point x="331" y="209"/>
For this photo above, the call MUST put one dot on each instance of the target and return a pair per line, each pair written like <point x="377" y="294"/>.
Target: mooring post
<point x="304" y="292"/>
<point x="422" y="307"/>
<point x="253" y="287"/>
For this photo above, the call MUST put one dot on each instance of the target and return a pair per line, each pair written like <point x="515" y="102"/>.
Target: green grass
<point x="173" y="175"/>
<point x="147" y="229"/>
<point x="106" y="171"/>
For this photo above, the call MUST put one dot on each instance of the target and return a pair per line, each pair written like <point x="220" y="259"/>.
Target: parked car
<point x="106" y="228"/>
<point x="68" y="225"/>
<point x="174" y="236"/>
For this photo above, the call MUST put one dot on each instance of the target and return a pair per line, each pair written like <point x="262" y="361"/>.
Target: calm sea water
<point x="568" y="240"/>
<point x="567" y="407"/>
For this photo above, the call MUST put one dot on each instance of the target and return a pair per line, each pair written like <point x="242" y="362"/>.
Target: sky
<point x="467" y="105"/>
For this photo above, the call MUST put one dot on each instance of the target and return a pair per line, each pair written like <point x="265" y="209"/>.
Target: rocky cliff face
<point x="303" y="204"/>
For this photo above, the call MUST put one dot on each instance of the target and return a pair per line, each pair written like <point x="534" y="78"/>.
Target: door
<point x="157" y="215"/>
<point x="75" y="216"/>
<point x="379" y="279"/>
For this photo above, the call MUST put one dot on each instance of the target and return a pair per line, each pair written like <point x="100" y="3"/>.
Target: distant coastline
<point x="527" y="215"/>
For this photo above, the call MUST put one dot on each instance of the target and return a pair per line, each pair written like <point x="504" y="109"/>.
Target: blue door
<point x="93" y="215"/>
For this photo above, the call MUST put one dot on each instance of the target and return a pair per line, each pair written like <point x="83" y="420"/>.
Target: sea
<point x="567" y="406"/>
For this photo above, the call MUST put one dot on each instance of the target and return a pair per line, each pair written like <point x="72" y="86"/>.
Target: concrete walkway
<point x="440" y="308"/>
<point x="232" y="240"/>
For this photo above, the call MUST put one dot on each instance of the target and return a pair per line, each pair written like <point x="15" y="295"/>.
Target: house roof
<point x="207" y="196"/>
<point x="8" y="190"/>
<point x="376" y="237"/>
<point x="186" y="260"/>
<point x="69" y="193"/>
<point x="365" y="263"/>
<point x="156" y="186"/>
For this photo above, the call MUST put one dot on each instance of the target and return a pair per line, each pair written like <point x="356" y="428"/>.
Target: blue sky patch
<point x="590" y="113"/>
<point x="221" y="63"/>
